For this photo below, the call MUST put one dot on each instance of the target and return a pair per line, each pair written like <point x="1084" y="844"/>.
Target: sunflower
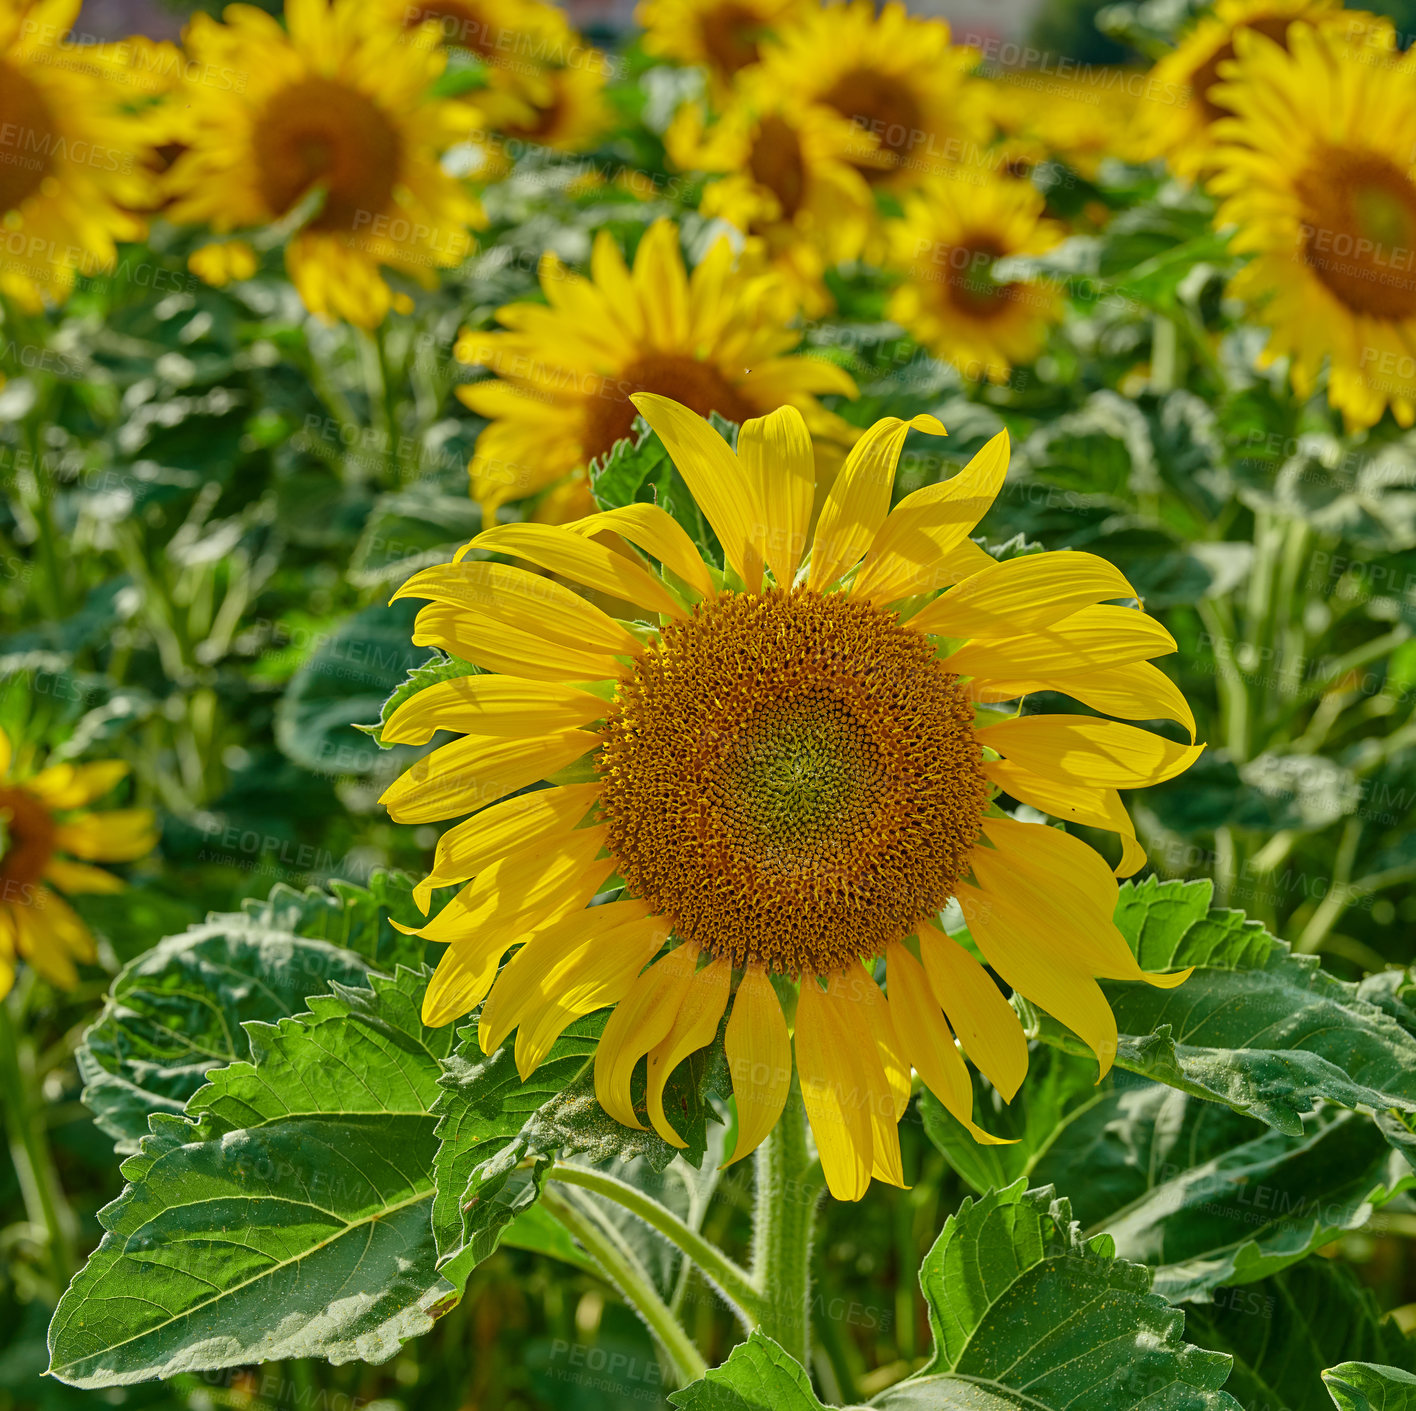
<point x="785" y="770"/>
<point x="1181" y="104"/>
<point x="511" y="37"/>
<point x="1079" y="118"/>
<point x="716" y="340"/>
<point x="1317" y="169"/>
<point x="331" y="129"/>
<point x="41" y="816"/>
<point x="785" y="180"/>
<point x="896" y="77"/>
<point x="723" y="36"/>
<point x="73" y="158"/>
<point x="569" y="115"/>
<point x="948" y="246"/>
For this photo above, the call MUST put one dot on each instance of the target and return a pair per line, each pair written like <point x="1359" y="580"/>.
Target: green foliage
<point x="1361" y="1386"/>
<point x="758" y="1376"/>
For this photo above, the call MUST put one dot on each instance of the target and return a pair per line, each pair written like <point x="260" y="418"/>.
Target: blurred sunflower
<point x="1181" y="105"/>
<point x="722" y="36"/>
<point x="948" y="247"/>
<point x="73" y="157"/>
<point x="717" y="340"/>
<point x="896" y="77"/>
<point x="512" y="37"/>
<point x="570" y="115"/>
<point x="329" y="127"/>
<point x="789" y="778"/>
<point x="1079" y="119"/>
<point x="786" y="181"/>
<point x="41" y="816"/>
<point x="1317" y="169"/>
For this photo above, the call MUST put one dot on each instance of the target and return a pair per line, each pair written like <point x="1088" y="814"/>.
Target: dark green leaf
<point x="758" y="1376"/>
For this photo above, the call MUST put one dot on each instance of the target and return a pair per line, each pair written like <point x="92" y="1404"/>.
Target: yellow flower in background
<point x="329" y="127"/>
<point x="722" y="36"/>
<point x="73" y="158"/>
<point x="1318" y="172"/>
<point x="571" y="116"/>
<point x="896" y="77"/>
<point x="717" y="340"/>
<point x="1181" y="105"/>
<point x="785" y="179"/>
<point x="513" y="37"/>
<point x="783" y="766"/>
<point x="42" y="816"/>
<point x="951" y="300"/>
<point x="220" y="263"/>
<point x="1079" y="119"/>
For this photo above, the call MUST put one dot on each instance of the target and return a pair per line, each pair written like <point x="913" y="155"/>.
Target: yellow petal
<point x="928" y="1041"/>
<point x="490" y="705"/>
<point x="122" y="835"/>
<point x="840" y="1120"/>
<point x="987" y="1025"/>
<point x="1017" y="597"/>
<point x="759" y="1054"/>
<point x="64" y="786"/>
<point x="1073" y="803"/>
<point x="79" y="879"/>
<point x="641" y="1019"/>
<point x="777" y="458"/>
<point x="907" y="553"/>
<point x="503" y="828"/>
<point x="529" y="602"/>
<point x="1093" y="752"/>
<point x="860" y="498"/>
<point x="50" y="936"/>
<point x="715" y="478"/>
<point x="1019" y="946"/>
<point x="1088" y="640"/>
<point x="472" y="772"/>
<point x="694" y="1026"/>
<point x="6" y="754"/>
<point x="657" y="532"/>
<point x="582" y="560"/>
<point x="494" y="646"/>
<point x="861" y="989"/>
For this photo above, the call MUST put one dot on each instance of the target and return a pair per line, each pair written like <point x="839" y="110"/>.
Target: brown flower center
<point x="465" y="25"/>
<point x="26" y="138"/>
<point x="731" y="36"/>
<point x="971" y="287"/>
<point x="776" y="162"/>
<point x="320" y="132"/>
<point x="26" y="843"/>
<point x="610" y="414"/>
<point x="884" y="107"/>
<point x="1359" y="230"/>
<point x="792" y="779"/>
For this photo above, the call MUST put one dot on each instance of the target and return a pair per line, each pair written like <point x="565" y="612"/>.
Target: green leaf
<point x="1283" y="1331"/>
<point x="1256" y="1027"/>
<point x="758" y="1376"/>
<point x="289" y="1218"/>
<point x="499" y="1134"/>
<point x="1026" y="1312"/>
<point x="1204" y="1195"/>
<point x="437" y="668"/>
<point x="175" y="1012"/>
<point x="1363" y="1386"/>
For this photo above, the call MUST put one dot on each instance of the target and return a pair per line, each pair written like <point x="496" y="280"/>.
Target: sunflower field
<point x="710" y="709"/>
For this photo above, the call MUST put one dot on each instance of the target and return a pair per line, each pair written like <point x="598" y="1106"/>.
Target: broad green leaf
<point x="1283" y="1331"/>
<point x="1202" y="1194"/>
<point x="1256" y="1027"/>
<point x="175" y="1012"/>
<point x="1027" y="1312"/>
<point x="290" y="1218"/>
<point x="758" y="1376"/>
<point x="1364" y="1386"/>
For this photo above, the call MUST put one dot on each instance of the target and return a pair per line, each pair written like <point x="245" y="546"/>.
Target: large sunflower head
<point x="327" y="126"/>
<point x="723" y="36"/>
<point x="717" y="340"/>
<point x="768" y="779"/>
<point x="1181" y="104"/>
<point x="896" y="77"/>
<point x="49" y="837"/>
<point x="785" y="179"/>
<point x="74" y="156"/>
<point x="948" y="247"/>
<point x="1317" y="169"/>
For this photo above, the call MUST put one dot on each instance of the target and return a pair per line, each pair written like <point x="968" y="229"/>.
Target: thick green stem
<point x="734" y="1282"/>
<point x="29" y="1150"/>
<point x="634" y="1286"/>
<point x="784" y="1220"/>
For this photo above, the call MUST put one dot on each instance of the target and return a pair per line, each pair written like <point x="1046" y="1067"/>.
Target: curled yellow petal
<point x="759" y="1054"/>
